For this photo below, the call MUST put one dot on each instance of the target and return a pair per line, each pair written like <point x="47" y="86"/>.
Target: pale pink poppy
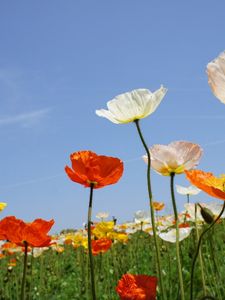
<point x="216" y="76"/>
<point x="175" y="157"/>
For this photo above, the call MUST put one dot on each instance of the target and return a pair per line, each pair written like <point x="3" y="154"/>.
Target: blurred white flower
<point x="38" y="251"/>
<point x="141" y="216"/>
<point x="167" y="220"/>
<point x="128" y="227"/>
<point x="215" y="208"/>
<point x="131" y="106"/>
<point x="216" y="76"/>
<point x="102" y="215"/>
<point x="174" y="158"/>
<point x="190" y="190"/>
<point x="170" y="236"/>
<point x="190" y="210"/>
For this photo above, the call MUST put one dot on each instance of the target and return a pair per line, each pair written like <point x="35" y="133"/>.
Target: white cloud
<point x="25" y="119"/>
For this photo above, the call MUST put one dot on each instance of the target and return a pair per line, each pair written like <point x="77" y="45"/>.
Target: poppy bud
<point x="206" y="214"/>
<point x="114" y="220"/>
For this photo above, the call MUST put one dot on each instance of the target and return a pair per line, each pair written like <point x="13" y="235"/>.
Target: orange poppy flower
<point x="214" y="186"/>
<point x="10" y="248"/>
<point x="12" y="262"/>
<point x="8" y="245"/>
<point x="158" y="205"/>
<point x="68" y="242"/>
<point x="137" y="287"/>
<point x="89" y="168"/>
<point x="18" y="232"/>
<point x="100" y="246"/>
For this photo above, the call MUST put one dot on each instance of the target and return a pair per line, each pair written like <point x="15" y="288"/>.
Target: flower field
<point x="156" y="256"/>
<point x="61" y="271"/>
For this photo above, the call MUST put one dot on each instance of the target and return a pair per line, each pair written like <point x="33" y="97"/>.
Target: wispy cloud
<point x="25" y="119"/>
<point x="32" y="181"/>
<point x="215" y="143"/>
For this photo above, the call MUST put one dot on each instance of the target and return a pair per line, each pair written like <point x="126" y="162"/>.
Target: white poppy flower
<point x="102" y="215"/>
<point x="141" y="216"/>
<point x="38" y="251"/>
<point x="167" y="220"/>
<point x="216" y="76"/>
<point x="215" y="208"/>
<point x="174" y="158"/>
<point x="190" y="210"/>
<point x="131" y="106"/>
<point x="170" y="236"/>
<point x="190" y="190"/>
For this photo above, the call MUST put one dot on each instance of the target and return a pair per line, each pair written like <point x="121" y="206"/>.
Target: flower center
<point x="94" y="183"/>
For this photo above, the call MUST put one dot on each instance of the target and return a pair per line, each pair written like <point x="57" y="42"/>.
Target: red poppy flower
<point x="18" y="232"/>
<point x="89" y="168"/>
<point x="100" y="246"/>
<point x="137" y="287"/>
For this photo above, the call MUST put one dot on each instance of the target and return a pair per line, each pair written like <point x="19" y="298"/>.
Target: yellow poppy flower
<point x="2" y="205"/>
<point x="103" y="228"/>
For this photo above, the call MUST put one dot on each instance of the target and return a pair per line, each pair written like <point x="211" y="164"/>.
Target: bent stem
<point x="198" y="248"/>
<point x="22" y="295"/>
<point x="89" y="243"/>
<point x="177" y="237"/>
<point x="159" y="269"/>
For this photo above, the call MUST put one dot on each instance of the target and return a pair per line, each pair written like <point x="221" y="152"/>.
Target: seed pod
<point x="207" y="215"/>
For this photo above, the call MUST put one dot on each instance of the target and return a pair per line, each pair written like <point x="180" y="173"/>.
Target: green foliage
<point x="63" y="276"/>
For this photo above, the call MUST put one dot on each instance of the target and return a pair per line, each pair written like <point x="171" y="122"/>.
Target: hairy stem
<point x="23" y="285"/>
<point x="89" y="243"/>
<point x="159" y="269"/>
<point x="180" y="275"/>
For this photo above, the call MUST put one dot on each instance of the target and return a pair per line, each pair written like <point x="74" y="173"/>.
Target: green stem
<point x="22" y="295"/>
<point x="172" y="175"/>
<point x="186" y="212"/>
<point x="31" y="271"/>
<point x="159" y="269"/>
<point x="89" y="243"/>
<point x="198" y="248"/>
<point x="188" y="198"/>
<point x="200" y="254"/>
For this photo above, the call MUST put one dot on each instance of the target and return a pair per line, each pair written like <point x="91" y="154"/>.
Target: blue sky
<point x="62" y="60"/>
